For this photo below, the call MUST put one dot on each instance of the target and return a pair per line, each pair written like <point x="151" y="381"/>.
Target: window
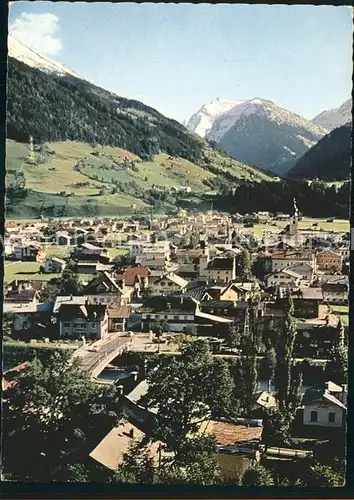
<point x="66" y="325"/>
<point x="313" y="416"/>
<point x="93" y="325"/>
<point x="331" y="417"/>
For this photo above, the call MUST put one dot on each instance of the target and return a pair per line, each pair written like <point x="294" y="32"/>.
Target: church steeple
<point x="294" y="219"/>
<point x="31" y="158"/>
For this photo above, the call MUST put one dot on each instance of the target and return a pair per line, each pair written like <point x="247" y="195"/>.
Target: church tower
<point x="294" y="219"/>
<point x="204" y="259"/>
<point x="31" y="158"/>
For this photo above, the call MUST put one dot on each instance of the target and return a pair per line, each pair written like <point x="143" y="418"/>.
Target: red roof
<point x="9" y="377"/>
<point x="131" y="273"/>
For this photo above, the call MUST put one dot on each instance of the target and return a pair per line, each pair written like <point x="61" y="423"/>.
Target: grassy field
<point x="114" y="252"/>
<point x="60" y="251"/>
<point x="30" y="271"/>
<point x="343" y="312"/>
<point x="74" y="206"/>
<point x="339" y="225"/>
<point x="56" y="173"/>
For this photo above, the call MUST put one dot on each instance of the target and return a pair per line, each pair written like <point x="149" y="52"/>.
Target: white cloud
<point x="38" y="32"/>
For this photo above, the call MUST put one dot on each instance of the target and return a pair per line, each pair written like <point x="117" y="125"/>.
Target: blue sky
<point x="178" y="57"/>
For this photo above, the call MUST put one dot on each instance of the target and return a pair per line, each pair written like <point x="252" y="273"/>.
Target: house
<point x="64" y="239"/>
<point x="168" y="283"/>
<point x="315" y="337"/>
<point x="86" y="320"/>
<point x="31" y="252"/>
<point x="237" y="445"/>
<point x="290" y="258"/>
<point x="307" y="301"/>
<point x="150" y="250"/>
<point x="305" y="270"/>
<point x="263" y="402"/>
<point x="118" y="318"/>
<point x="29" y="318"/>
<point x="321" y="408"/>
<point x="336" y="292"/>
<point x="110" y="451"/>
<point x="21" y="293"/>
<point x="221" y="269"/>
<point x="104" y="289"/>
<point x="54" y="265"/>
<point x="284" y="278"/>
<point x="137" y="278"/>
<point x="239" y="291"/>
<point x="86" y="252"/>
<point x="327" y="259"/>
<point x="179" y="312"/>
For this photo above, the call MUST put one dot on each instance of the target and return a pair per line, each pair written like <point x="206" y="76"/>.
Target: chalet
<point x="31" y="252"/>
<point x="137" y="278"/>
<point x="54" y="265"/>
<point x="284" y="278"/>
<point x="222" y="270"/>
<point x="86" y="252"/>
<point x="87" y="320"/>
<point x="327" y="259"/>
<point x="179" y="312"/>
<point x="168" y="283"/>
<point x="21" y="293"/>
<point x="104" y="289"/>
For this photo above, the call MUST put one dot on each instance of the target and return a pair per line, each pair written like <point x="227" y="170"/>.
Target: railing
<point x="101" y="356"/>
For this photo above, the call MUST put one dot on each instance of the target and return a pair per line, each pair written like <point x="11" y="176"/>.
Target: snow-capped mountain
<point x="202" y="121"/>
<point x="34" y="59"/>
<point x="259" y="132"/>
<point x="334" y="118"/>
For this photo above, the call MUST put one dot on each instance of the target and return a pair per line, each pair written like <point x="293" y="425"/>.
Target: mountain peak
<point x="35" y="59"/>
<point x="256" y="131"/>
<point x="336" y="117"/>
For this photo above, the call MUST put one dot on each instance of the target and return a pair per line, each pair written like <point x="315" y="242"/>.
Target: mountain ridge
<point x="336" y="117"/>
<point x="329" y="159"/>
<point x="257" y="131"/>
<point x="34" y="59"/>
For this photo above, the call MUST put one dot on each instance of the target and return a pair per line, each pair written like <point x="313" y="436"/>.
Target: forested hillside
<point x="329" y="159"/>
<point x="315" y="199"/>
<point x="52" y="109"/>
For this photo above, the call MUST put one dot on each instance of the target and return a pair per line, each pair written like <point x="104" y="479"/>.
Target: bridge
<point x="95" y="357"/>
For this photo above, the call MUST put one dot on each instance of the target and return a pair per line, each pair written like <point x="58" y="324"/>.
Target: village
<point x="106" y="288"/>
